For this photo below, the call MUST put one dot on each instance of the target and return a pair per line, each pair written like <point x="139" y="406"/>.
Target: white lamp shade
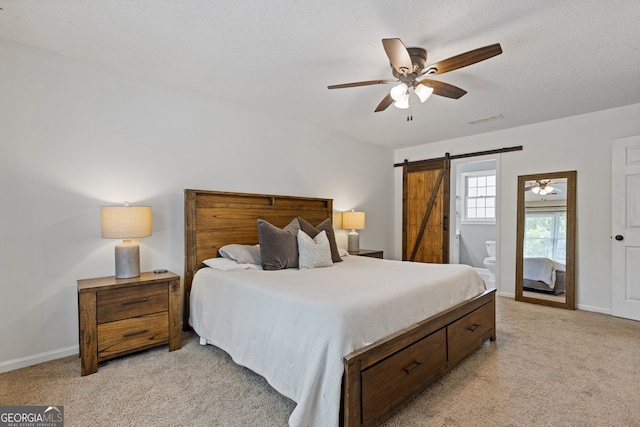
<point x="125" y="222"/>
<point x="403" y="104"/>
<point x="399" y="92"/>
<point x="423" y="92"/>
<point x="353" y="220"/>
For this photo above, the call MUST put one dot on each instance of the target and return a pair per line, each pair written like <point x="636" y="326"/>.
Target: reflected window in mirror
<point x="545" y="233"/>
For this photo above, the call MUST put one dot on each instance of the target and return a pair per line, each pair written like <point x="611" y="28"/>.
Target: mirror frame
<point x="570" y="294"/>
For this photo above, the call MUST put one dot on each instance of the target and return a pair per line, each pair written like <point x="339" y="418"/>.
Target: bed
<point x="544" y="275"/>
<point x="350" y="383"/>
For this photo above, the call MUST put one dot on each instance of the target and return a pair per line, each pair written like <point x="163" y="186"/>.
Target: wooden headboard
<point x="213" y="219"/>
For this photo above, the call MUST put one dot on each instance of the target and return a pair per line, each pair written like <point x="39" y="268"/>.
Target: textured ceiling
<point x="561" y="58"/>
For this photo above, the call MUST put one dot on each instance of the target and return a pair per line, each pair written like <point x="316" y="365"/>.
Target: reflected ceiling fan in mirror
<point x="408" y="67"/>
<point x="542" y="187"/>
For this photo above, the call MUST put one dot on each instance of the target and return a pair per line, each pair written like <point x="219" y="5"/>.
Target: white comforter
<point x="294" y="327"/>
<point x="542" y="269"/>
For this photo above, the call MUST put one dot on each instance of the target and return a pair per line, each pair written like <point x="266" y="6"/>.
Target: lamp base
<point x="353" y="242"/>
<point x="127" y="260"/>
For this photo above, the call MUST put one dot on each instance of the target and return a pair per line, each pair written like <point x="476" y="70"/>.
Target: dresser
<point x="122" y="316"/>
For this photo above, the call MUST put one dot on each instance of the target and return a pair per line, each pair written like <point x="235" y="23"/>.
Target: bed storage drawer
<point x="131" y="302"/>
<point x="468" y="333"/>
<point x="387" y="382"/>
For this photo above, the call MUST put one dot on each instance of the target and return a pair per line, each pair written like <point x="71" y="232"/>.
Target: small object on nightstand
<point x="122" y="316"/>
<point x="371" y="253"/>
<point x="160" y="271"/>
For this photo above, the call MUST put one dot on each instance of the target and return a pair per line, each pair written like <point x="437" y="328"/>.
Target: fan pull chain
<point x="410" y="115"/>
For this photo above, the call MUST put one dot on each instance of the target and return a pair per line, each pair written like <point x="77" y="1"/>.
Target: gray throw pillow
<point x="242" y="254"/>
<point x="328" y="228"/>
<point x="278" y="247"/>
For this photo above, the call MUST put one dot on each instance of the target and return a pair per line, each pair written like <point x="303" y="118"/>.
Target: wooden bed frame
<point x="379" y="378"/>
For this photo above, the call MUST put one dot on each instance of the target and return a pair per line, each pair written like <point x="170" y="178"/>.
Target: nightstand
<point x="121" y="316"/>
<point x="371" y="253"/>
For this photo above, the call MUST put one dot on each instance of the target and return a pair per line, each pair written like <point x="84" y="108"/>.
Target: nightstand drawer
<point x="132" y="301"/>
<point x="124" y="336"/>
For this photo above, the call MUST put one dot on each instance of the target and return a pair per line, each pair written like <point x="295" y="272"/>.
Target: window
<point x="479" y="197"/>
<point x="545" y="235"/>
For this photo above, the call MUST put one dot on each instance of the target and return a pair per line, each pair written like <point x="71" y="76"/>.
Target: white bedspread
<point x="294" y="327"/>
<point x="542" y="269"/>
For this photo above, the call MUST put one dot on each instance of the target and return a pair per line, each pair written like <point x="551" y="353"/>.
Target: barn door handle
<point x="619" y="237"/>
<point x="445" y="223"/>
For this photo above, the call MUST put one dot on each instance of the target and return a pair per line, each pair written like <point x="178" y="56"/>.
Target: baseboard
<point x="594" y="309"/>
<point x="23" y="362"/>
<point x="506" y="294"/>
<point x="578" y="306"/>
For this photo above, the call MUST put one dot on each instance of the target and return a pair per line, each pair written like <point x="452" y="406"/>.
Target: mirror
<point x="545" y="247"/>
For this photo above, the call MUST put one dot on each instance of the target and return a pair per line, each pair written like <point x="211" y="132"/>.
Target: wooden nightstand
<point x="121" y="316"/>
<point x="371" y="253"/>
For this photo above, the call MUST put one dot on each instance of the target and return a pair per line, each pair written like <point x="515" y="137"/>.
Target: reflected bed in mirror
<point x="545" y="247"/>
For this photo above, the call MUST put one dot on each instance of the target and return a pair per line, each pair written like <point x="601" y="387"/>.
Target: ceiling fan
<point x="408" y="67"/>
<point x="542" y="187"/>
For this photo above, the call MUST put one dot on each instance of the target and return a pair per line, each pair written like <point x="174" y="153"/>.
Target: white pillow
<point x="343" y="252"/>
<point x="225" y="264"/>
<point x="242" y="254"/>
<point x="314" y="252"/>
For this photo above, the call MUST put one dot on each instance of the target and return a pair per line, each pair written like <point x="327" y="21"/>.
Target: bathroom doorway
<point x="474" y="195"/>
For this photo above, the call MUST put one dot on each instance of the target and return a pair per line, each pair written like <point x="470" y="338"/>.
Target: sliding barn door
<point x="425" y="199"/>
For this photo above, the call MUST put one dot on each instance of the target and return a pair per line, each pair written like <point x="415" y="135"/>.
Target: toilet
<point x="490" y="261"/>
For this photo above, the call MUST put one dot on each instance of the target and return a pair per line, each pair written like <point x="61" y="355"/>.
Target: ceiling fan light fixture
<point x="399" y="92"/>
<point x="403" y="104"/>
<point x="408" y="65"/>
<point x="423" y="92"/>
<point x="536" y="190"/>
<point x="545" y="190"/>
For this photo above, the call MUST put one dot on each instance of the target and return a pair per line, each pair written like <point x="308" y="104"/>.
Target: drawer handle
<point x="131" y="334"/>
<point x="138" y="301"/>
<point x="413" y="368"/>
<point x="474" y="327"/>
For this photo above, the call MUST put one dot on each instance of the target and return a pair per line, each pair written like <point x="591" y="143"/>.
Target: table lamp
<point x="126" y="222"/>
<point x="354" y="221"/>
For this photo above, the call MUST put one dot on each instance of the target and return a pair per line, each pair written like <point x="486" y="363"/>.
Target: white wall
<point x="581" y="143"/>
<point x="76" y="136"/>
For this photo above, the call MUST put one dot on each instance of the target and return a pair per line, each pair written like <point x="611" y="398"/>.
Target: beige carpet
<point x="549" y="367"/>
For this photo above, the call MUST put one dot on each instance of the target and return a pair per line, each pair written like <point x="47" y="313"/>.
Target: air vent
<point x="486" y="119"/>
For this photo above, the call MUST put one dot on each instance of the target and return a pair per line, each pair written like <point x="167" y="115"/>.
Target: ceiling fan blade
<point x="355" y="84"/>
<point x="398" y="55"/>
<point x="388" y="100"/>
<point x="444" y="89"/>
<point x="465" y="59"/>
